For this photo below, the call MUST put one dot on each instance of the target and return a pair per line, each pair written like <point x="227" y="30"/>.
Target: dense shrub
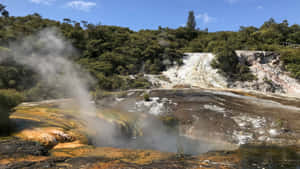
<point x="147" y="97"/>
<point x="227" y="63"/>
<point x="291" y="61"/>
<point x="8" y="100"/>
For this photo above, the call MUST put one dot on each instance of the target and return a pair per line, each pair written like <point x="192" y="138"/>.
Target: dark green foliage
<point x="111" y="53"/>
<point x="226" y="59"/>
<point x="8" y="100"/>
<point x="191" y="22"/>
<point x="269" y="37"/>
<point x="42" y="91"/>
<point x="15" y="76"/>
<point x="291" y="60"/>
<point x="227" y="62"/>
<point x="138" y="83"/>
<point x="147" y="97"/>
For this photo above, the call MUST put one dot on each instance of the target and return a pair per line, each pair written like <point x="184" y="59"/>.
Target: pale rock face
<point x="242" y="137"/>
<point x="196" y="71"/>
<point x="270" y="75"/>
<point x="273" y="132"/>
<point x="156" y="106"/>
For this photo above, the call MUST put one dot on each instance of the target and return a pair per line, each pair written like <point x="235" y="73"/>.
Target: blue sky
<point x="216" y="15"/>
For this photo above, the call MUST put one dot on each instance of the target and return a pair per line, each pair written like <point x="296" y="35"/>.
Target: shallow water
<point x="269" y="157"/>
<point x="207" y="120"/>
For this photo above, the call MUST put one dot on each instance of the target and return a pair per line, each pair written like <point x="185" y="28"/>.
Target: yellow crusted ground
<point x="59" y="129"/>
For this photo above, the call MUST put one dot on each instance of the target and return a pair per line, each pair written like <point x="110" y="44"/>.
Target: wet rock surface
<point x="18" y="148"/>
<point x="220" y="129"/>
<point x="231" y="118"/>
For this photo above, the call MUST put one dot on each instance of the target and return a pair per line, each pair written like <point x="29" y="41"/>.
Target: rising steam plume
<point x="48" y="54"/>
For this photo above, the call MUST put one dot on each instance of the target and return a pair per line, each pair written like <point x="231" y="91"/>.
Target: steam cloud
<point x="47" y="53"/>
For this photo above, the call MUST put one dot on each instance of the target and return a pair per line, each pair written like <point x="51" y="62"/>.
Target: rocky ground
<point x="219" y="129"/>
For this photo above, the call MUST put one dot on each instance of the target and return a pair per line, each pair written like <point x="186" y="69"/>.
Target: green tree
<point x="191" y="23"/>
<point x="3" y="11"/>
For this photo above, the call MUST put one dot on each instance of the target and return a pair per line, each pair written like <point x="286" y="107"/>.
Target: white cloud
<point x="81" y="5"/>
<point x="231" y="1"/>
<point x="259" y="7"/>
<point x="205" y="18"/>
<point x="45" y="2"/>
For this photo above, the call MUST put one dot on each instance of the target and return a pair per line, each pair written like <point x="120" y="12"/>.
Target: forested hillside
<point x="112" y="53"/>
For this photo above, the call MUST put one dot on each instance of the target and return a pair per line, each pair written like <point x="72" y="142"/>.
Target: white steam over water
<point x="48" y="54"/>
<point x="196" y="71"/>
